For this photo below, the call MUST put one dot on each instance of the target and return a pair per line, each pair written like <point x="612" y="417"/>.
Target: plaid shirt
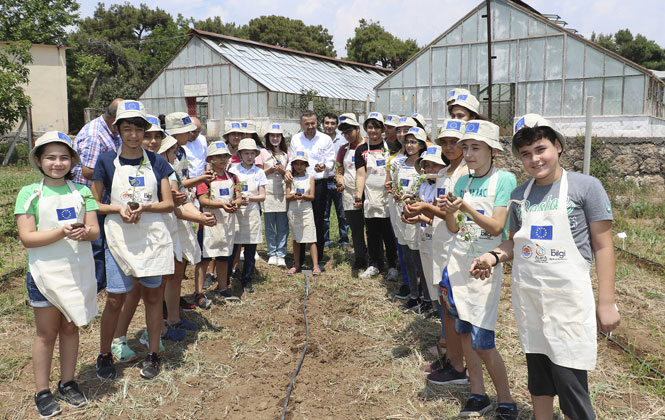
<point x="94" y="139"/>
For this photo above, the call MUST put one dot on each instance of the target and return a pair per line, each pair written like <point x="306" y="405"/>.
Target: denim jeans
<point x="277" y="233"/>
<point x="335" y="197"/>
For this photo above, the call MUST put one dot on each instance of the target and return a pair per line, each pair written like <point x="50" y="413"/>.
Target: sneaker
<point x="71" y="394"/>
<point x="208" y="281"/>
<point x="476" y="406"/>
<point x="281" y="262"/>
<point x="322" y="269"/>
<point x="104" y="366"/>
<point x="272" y="260"/>
<point x="144" y="340"/>
<point x="121" y="351"/>
<point x="150" y="367"/>
<point x="242" y="255"/>
<point x="257" y="257"/>
<point x="412" y="305"/>
<point x="404" y="292"/>
<point x="369" y="273"/>
<point x="186" y="306"/>
<point x="426" y="308"/>
<point x="248" y="288"/>
<point x="202" y="301"/>
<point x="225" y="295"/>
<point x="328" y="243"/>
<point x="392" y="275"/>
<point x="236" y="274"/>
<point x="184" y="324"/>
<point x="447" y="375"/>
<point x="506" y="411"/>
<point x="46" y="404"/>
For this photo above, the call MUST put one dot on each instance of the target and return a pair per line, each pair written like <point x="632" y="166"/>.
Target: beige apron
<point x="300" y="214"/>
<point x="188" y="242"/>
<point x="442" y="238"/>
<point x="249" y="216"/>
<point x="349" y="179"/>
<point x="477" y="301"/>
<point x="218" y="240"/>
<point x="408" y="176"/>
<point x="143" y="249"/>
<point x="275" y="190"/>
<point x="172" y="225"/>
<point x="553" y="299"/>
<point x="64" y="271"/>
<point x="425" y="242"/>
<point x="395" y="216"/>
<point x="376" y="196"/>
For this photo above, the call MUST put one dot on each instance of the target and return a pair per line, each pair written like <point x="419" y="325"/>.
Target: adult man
<point x="95" y="138"/>
<point x="319" y="148"/>
<point x="330" y="122"/>
<point x="197" y="150"/>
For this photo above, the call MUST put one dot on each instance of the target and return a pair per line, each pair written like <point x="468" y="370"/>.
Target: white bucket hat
<point x="432" y="154"/>
<point x="535" y="120"/>
<point x="392" y="120"/>
<point x="54" y="137"/>
<point x="406" y="122"/>
<point x="418" y="133"/>
<point x="178" y="123"/>
<point x="167" y="144"/>
<point x="248" y="127"/>
<point x="419" y="119"/>
<point x="302" y="156"/>
<point x="377" y="116"/>
<point x="155" y="123"/>
<point x="218" y="148"/>
<point x="484" y="131"/>
<point x="130" y="109"/>
<point x="247" y="144"/>
<point x="454" y="93"/>
<point x="467" y="101"/>
<point x="275" y="128"/>
<point x="348" y="119"/>
<point x="233" y="127"/>
<point x="451" y="128"/>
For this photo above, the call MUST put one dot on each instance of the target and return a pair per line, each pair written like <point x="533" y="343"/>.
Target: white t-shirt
<point x="197" y="151"/>
<point x="255" y="171"/>
<point x="319" y="149"/>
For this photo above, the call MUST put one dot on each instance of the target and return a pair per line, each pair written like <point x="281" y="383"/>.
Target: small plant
<point x="238" y="188"/>
<point x="79" y="224"/>
<point x="134" y="204"/>
<point x="468" y="237"/>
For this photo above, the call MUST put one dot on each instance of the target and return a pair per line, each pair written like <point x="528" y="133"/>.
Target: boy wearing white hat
<point x="56" y="221"/>
<point x="477" y="215"/>
<point x="552" y="247"/>
<point x="139" y="246"/>
<point x="181" y="126"/>
<point x="252" y="187"/>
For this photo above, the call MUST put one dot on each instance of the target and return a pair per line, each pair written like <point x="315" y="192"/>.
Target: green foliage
<point x="37" y="21"/>
<point x="291" y="33"/>
<point x="372" y="44"/>
<point x="638" y="49"/>
<point x="321" y="105"/>
<point x="216" y="25"/>
<point x="14" y="74"/>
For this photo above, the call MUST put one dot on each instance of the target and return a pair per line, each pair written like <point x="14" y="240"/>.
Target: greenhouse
<point x="538" y="66"/>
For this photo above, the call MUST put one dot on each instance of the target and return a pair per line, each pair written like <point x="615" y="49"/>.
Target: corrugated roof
<point x="289" y="71"/>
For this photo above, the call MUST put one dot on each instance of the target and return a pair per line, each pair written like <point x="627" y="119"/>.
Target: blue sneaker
<point x="183" y="324"/>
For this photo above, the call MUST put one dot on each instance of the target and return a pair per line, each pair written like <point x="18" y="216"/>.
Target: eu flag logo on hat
<point x="413" y="130"/>
<point x="374" y="115"/>
<point x="389" y="118"/>
<point x="244" y="124"/>
<point x="220" y="145"/>
<point x="132" y="106"/>
<point x="541" y="232"/>
<point x="431" y="150"/>
<point x="186" y="121"/>
<point x="300" y="154"/>
<point x="66" y="214"/>
<point x="276" y="126"/>
<point x="403" y="119"/>
<point x="65" y="137"/>
<point x="153" y="121"/>
<point x="452" y="93"/>
<point x="519" y="124"/>
<point x="454" y="125"/>
<point x="235" y="125"/>
<point x="472" y="127"/>
<point x="139" y="181"/>
<point x="463" y="97"/>
<point x="342" y="118"/>
<point x="224" y="191"/>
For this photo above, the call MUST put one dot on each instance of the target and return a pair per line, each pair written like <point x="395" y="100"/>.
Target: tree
<point x="374" y="45"/>
<point x="321" y="105"/>
<point x="37" y="21"/>
<point x="638" y="49"/>
<point x="291" y="33"/>
<point x="14" y="59"/>
<point x="216" y="25"/>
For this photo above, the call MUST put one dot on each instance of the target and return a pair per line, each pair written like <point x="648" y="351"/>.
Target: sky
<point x="422" y="20"/>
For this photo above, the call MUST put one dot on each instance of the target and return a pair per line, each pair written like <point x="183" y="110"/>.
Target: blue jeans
<point x="335" y="196"/>
<point x="277" y="233"/>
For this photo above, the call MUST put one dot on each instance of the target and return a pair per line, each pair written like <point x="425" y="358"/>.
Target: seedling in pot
<point x="468" y="238"/>
<point x="134" y="204"/>
<point x="78" y="224"/>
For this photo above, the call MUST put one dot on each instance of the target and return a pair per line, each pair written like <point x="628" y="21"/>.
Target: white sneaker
<point x="257" y="257"/>
<point x="242" y="255"/>
<point x="281" y="262"/>
<point x="369" y="273"/>
<point x="392" y="275"/>
<point x="272" y="260"/>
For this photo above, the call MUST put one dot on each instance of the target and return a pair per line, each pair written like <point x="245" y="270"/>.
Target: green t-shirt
<point x="28" y="190"/>
<point x="479" y="188"/>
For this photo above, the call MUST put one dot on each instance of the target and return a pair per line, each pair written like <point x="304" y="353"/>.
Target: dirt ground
<point x="363" y="360"/>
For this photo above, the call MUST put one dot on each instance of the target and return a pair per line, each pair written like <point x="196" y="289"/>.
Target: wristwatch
<point x="496" y="255"/>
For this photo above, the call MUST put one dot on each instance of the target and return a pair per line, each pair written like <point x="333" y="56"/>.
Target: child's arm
<point x="207" y="176"/>
<point x="503" y="251"/>
<point x="310" y="196"/>
<point x="261" y="196"/>
<point x="31" y="237"/>
<point x="91" y="226"/>
<point x="288" y="194"/>
<point x="190" y="213"/>
<point x="360" y="186"/>
<point x="178" y="197"/>
<point x="603" y="250"/>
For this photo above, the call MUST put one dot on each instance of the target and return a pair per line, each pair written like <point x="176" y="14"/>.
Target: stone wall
<point x="641" y="160"/>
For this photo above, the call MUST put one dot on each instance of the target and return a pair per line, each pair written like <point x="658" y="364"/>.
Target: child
<point x="552" y="248"/>
<point x="252" y="183"/>
<point x="61" y="272"/>
<point x="300" y="194"/>
<point x="139" y="245"/>
<point x="276" y="221"/>
<point x="181" y="127"/>
<point x="478" y="215"/>
<point x="406" y="187"/>
<point x="154" y="135"/>
<point x="222" y="200"/>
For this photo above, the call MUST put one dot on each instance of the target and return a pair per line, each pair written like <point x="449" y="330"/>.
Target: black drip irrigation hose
<point x="11" y="274"/>
<point x="633" y="355"/>
<point x="647" y="261"/>
<point x="304" y="350"/>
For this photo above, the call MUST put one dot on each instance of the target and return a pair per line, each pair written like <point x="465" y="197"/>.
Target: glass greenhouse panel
<point x="501" y="28"/>
<point x="383" y="101"/>
<point x="521" y="99"/>
<point x="473" y="66"/>
<point x="554" y="58"/>
<point x="552" y="98"/>
<point x="536" y="58"/>
<point x="482" y="65"/>
<point x="519" y="24"/>
<point x="423" y="69"/>
<point x="455" y="36"/>
<point x="594" y="62"/>
<point x="409" y="74"/>
<point x="574" y="58"/>
<point x="613" y="67"/>
<point x="422" y="97"/>
<point x="454" y="58"/>
<point x="633" y="95"/>
<point x="409" y="98"/>
<point x="523" y="47"/>
<point x="438" y="66"/>
<point x="465" y="64"/>
<point x="594" y="87"/>
<point x="396" y="101"/>
<point x="612" y="93"/>
<point x="574" y="97"/>
<point x="536" y="27"/>
<point x="534" y="98"/>
<point x="501" y="73"/>
<point x="470" y="29"/>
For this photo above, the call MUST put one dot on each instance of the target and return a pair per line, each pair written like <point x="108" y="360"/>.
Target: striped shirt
<point x="94" y="139"/>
